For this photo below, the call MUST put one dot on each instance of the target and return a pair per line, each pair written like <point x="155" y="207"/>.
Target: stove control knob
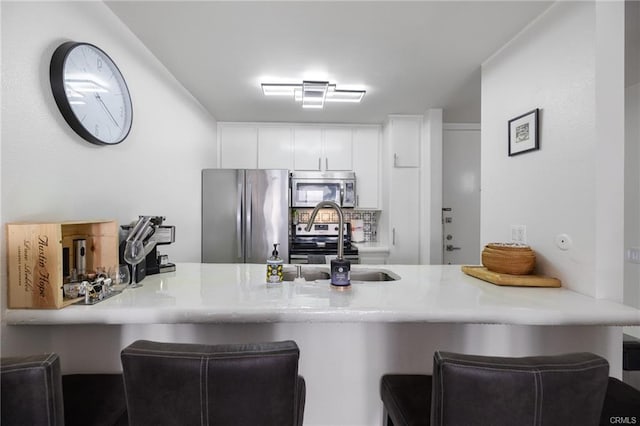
<point x="299" y="228"/>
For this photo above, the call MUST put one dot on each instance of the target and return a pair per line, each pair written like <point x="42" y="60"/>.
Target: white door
<point x="404" y="218"/>
<point x="405" y="140"/>
<point x="238" y="147"/>
<point x="307" y="148"/>
<point x="366" y="165"/>
<point x="337" y="149"/>
<point x="275" y="148"/>
<point x="461" y="195"/>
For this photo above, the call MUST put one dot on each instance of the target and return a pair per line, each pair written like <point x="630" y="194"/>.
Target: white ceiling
<point x="409" y="56"/>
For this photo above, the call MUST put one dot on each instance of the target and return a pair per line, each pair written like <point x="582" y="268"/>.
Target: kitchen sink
<point x="373" y="275"/>
<point x="309" y="274"/>
<point x="313" y="274"/>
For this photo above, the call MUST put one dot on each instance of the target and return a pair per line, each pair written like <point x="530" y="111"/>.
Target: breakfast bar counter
<point x="347" y="339"/>
<point x="237" y="293"/>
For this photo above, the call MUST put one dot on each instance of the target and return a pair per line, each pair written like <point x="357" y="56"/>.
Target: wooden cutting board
<point x="514" y="280"/>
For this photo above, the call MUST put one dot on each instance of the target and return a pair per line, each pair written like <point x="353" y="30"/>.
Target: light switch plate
<point x="632" y="255"/>
<point x="519" y="234"/>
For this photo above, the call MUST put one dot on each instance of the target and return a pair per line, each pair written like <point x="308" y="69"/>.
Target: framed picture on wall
<point x="523" y="133"/>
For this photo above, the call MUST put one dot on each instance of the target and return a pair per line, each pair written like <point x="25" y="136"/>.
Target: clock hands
<point x="101" y="102"/>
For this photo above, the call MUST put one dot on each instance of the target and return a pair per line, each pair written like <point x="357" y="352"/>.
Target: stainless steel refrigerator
<point x="244" y="212"/>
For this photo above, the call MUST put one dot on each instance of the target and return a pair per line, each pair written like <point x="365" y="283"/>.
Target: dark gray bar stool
<point x="189" y="384"/>
<point x="94" y="400"/>
<point x="31" y="391"/>
<point x="563" y="390"/>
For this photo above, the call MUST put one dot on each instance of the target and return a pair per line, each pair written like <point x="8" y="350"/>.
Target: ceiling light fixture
<point x="312" y="94"/>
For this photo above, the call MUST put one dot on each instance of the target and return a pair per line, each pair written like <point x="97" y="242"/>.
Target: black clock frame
<point x="56" y="78"/>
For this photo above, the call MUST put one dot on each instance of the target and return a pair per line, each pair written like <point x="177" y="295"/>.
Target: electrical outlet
<point x="519" y="234"/>
<point x="633" y="255"/>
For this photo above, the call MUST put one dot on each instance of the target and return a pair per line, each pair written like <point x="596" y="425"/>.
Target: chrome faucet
<point x="337" y="208"/>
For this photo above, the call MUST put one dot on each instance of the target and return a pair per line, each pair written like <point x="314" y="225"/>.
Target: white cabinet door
<point x="238" y="147"/>
<point x="337" y="149"/>
<point x="307" y="148"/>
<point x="275" y="148"/>
<point x="403" y="217"/>
<point x="405" y="134"/>
<point x="366" y="165"/>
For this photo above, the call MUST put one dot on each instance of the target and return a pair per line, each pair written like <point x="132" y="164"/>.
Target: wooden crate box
<point x="35" y="258"/>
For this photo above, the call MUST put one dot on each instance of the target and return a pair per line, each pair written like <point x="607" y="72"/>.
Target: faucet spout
<point x="336" y="207"/>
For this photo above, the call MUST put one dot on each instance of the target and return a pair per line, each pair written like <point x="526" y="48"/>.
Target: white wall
<point x="632" y="155"/>
<point x="431" y="188"/>
<point x="50" y="173"/>
<point x="550" y="65"/>
<point x="632" y="196"/>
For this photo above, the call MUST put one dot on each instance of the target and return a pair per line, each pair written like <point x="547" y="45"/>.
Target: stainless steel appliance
<point x="310" y="188"/>
<point x="163" y="235"/>
<point x="320" y="241"/>
<point x="152" y="233"/>
<point x="244" y="212"/>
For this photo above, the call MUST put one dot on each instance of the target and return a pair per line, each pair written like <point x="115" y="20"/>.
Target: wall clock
<point x="91" y="93"/>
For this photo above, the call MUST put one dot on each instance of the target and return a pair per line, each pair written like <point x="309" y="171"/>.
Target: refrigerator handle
<point x="249" y="220"/>
<point x="239" y="220"/>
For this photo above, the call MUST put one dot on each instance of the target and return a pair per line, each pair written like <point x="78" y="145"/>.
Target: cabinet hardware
<point x="326" y="163"/>
<point x="249" y="229"/>
<point x="239" y="220"/>
<point x="319" y="163"/>
<point x="393" y="238"/>
<point x="357" y="200"/>
<point x="395" y="160"/>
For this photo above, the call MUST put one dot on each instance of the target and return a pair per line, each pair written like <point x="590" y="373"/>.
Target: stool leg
<point x="386" y="420"/>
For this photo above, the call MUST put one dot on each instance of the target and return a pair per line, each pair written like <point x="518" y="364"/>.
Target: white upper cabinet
<point x="366" y="165"/>
<point x="275" y="148"/>
<point x="404" y="138"/>
<point x="337" y="149"/>
<point x="322" y="149"/>
<point x="238" y="146"/>
<point x="307" y="146"/>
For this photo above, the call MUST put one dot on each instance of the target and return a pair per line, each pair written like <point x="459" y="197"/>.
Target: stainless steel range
<point x="320" y="241"/>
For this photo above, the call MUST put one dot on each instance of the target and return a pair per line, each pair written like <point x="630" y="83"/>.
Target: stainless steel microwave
<point x="310" y="188"/>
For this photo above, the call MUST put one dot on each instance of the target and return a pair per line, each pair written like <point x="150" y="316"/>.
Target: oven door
<point x="310" y="192"/>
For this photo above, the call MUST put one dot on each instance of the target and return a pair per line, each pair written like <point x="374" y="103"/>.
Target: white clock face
<point x="97" y="94"/>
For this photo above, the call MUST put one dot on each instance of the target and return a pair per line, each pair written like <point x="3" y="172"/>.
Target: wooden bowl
<point x="513" y="259"/>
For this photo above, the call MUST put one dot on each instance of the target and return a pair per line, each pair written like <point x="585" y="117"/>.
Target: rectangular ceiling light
<point x="345" y="96"/>
<point x="279" y="89"/>
<point x="314" y="93"/>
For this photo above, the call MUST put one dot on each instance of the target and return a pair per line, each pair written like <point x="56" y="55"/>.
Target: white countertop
<point x="230" y="293"/>
<point x="371" y="247"/>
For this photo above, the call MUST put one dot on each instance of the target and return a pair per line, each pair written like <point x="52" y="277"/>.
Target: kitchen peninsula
<point x="237" y="293"/>
<point x="348" y="339"/>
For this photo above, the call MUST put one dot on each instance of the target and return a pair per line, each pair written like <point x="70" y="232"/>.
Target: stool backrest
<point x="559" y="390"/>
<point x="192" y="384"/>
<point x="31" y="391"/>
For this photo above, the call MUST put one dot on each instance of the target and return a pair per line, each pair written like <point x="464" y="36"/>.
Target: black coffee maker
<point x="152" y="232"/>
<point x="157" y="263"/>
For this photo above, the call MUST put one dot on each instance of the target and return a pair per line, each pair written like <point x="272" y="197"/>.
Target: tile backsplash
<point x="369" y="219"/>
